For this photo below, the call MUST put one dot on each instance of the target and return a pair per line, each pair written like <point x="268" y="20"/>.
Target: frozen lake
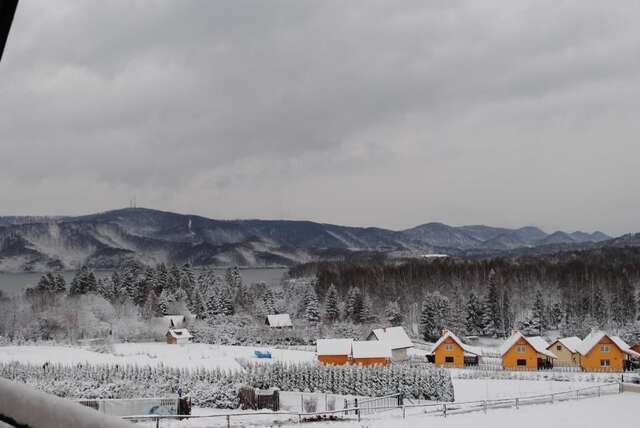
<point x="11" y="283"/>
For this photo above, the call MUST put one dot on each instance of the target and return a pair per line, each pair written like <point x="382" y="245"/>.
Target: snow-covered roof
<point x="395" y="337"/>
<point x="466" y="348"/>
<point x="177" y="320"/>
<point x="538" y="343"/>
<point x="571" y="343"/>
<point x="334" y="346"/>
<point x="179" y="333"/>
<point x="595" y="337"/>
<point x="279" y="320"/>
<point x="371" y="349"/>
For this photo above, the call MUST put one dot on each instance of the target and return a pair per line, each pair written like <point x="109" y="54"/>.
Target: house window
<point x="605" y="363"/>
<point x="521" y="363"/>
<point x="449" y="347"/>
<point x="448" y="360"/>
<point x="520" y="349"/>
<point x="604" y="348"/>
<point x="559" y="347"/>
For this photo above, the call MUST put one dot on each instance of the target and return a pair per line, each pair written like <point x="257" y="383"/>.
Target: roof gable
<point x="571" y="343"/>
<point x="596" y="337"/>
<point x="395" y="337"/>
<point x="466" y="348"/>
<point x="536" y="342"/>
<point x="279" y="320"/>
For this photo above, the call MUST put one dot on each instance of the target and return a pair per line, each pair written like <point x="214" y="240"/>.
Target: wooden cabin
<point x="279" y="321"/>
<point x="519" y="352"/>
<point x="636" y="347"/>
<point x="601" y="352"/>
<point x="566" y="349"/>
<point x="450" y="351"/>
<point x="396" y="338"/>
<point x="370" y="352"/>
<point x="334" y="351"/>
<point x="178" y="336"/>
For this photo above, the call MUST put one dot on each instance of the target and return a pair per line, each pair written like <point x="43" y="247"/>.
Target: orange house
<point x="636" y="347"/>
<point x="526" y="353"/>
<point x="334" y="351"/>
<point x="371" y="352"/>
<point x="450" y="351"/>
<point x="601" y="352"/>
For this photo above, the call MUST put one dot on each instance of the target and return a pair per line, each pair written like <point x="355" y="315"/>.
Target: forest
<point x="569" y="292"/>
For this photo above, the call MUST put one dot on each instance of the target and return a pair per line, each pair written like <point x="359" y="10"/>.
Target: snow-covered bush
<point x="310" y="404"/>
<point x="219" y="387"/>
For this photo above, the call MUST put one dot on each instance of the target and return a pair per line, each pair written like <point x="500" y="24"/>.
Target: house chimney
<point x="444" y="331"/>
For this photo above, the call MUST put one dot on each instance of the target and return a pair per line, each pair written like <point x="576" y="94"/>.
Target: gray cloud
<point x="366" y="113"/>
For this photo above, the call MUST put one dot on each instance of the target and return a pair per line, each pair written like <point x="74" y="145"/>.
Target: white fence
<point x="407" y="409"/>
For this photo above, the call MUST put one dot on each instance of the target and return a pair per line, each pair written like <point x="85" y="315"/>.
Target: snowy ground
<point x="189" y="356"/>
<point x="489" y="389"/>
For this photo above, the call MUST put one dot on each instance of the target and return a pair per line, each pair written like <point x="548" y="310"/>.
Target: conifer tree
<point x="312" y="309"/>
<point x="332" y="311"/>
<point x="474" y="317"/>
<point x="458" y="312"/>
<point x="151" y="306"/>
<point x="393" y="314"/>
<point x="492" y="313"/>
<point x="538" y="319"/>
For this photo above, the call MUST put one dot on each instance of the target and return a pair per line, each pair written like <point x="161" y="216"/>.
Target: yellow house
<point x="526" y="353"/>
<point x="601" y="352"/>
<point x="450" y="351"/>
<point x="566" y="349"/>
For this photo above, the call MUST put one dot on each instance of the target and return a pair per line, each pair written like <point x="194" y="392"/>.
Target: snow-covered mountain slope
<point x="107" y="239"/>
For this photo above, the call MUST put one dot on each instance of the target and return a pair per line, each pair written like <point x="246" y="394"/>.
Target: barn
<point x="601" y="352"/>
<point x="397" y="340"/>
<point x="370" y="352"/>
<point x="566" y="349"/>
<point x="450" y="351"/>
<point x="334" y="351"/>
<point x="519" y="352"/>
<point x="178" y="336"/>
<point x="279" y="321"/>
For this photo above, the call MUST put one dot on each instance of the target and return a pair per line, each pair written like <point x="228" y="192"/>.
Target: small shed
<point x="519" y="352"/>
<point x="566" y="349"/>
<point x="334" y="351"/>
<point x="279" y="321"/>
<point x="370" y="352"/>
<point x="396" y="338"/>
<point x="450" y="351"/>
<point x="602" y="352"/>
<point x="178" y="336"/>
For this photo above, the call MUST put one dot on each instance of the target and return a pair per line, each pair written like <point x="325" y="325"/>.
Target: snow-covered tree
<point x="312" y="306"/>
<point x="393" y="314"/>
<point x="332" y="310"/>
<point x="475" y="315"/>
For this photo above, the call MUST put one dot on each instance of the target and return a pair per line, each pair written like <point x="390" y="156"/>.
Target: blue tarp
<point x="263" y="354"/>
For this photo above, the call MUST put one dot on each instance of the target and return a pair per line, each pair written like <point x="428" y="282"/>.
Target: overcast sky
<point x="385" y="113"/>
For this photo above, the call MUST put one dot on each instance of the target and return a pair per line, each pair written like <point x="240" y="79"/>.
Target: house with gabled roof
<point x="519" y="352"/>
<point x="396" y="338"/>
<point x="602" y="352"/>
<point x="334" y="351"/>
<point x="178" y="336"/>
<point x="450" y="351"/>
<point x="566" y="349"/>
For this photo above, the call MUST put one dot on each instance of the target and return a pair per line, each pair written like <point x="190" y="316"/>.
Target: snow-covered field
<point x="192" y="355"/>
<point x="489" y="389"/>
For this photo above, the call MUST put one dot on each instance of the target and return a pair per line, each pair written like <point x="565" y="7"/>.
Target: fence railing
<point x="409" y="409"/>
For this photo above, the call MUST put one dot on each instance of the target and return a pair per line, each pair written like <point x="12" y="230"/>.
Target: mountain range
<point x="105" y="240"/>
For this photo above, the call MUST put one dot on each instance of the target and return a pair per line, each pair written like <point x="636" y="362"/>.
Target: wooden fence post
<point x="517" y="403"/>
<point x="485" y="406"/>
<point x="357" y="408"/>
<point x="444" y="410"/>
<point x="157" y="422"/>
<point x="404" y="412"/>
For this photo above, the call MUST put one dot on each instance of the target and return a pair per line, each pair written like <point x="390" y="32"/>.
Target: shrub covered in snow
<point x="218" y="388"/>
